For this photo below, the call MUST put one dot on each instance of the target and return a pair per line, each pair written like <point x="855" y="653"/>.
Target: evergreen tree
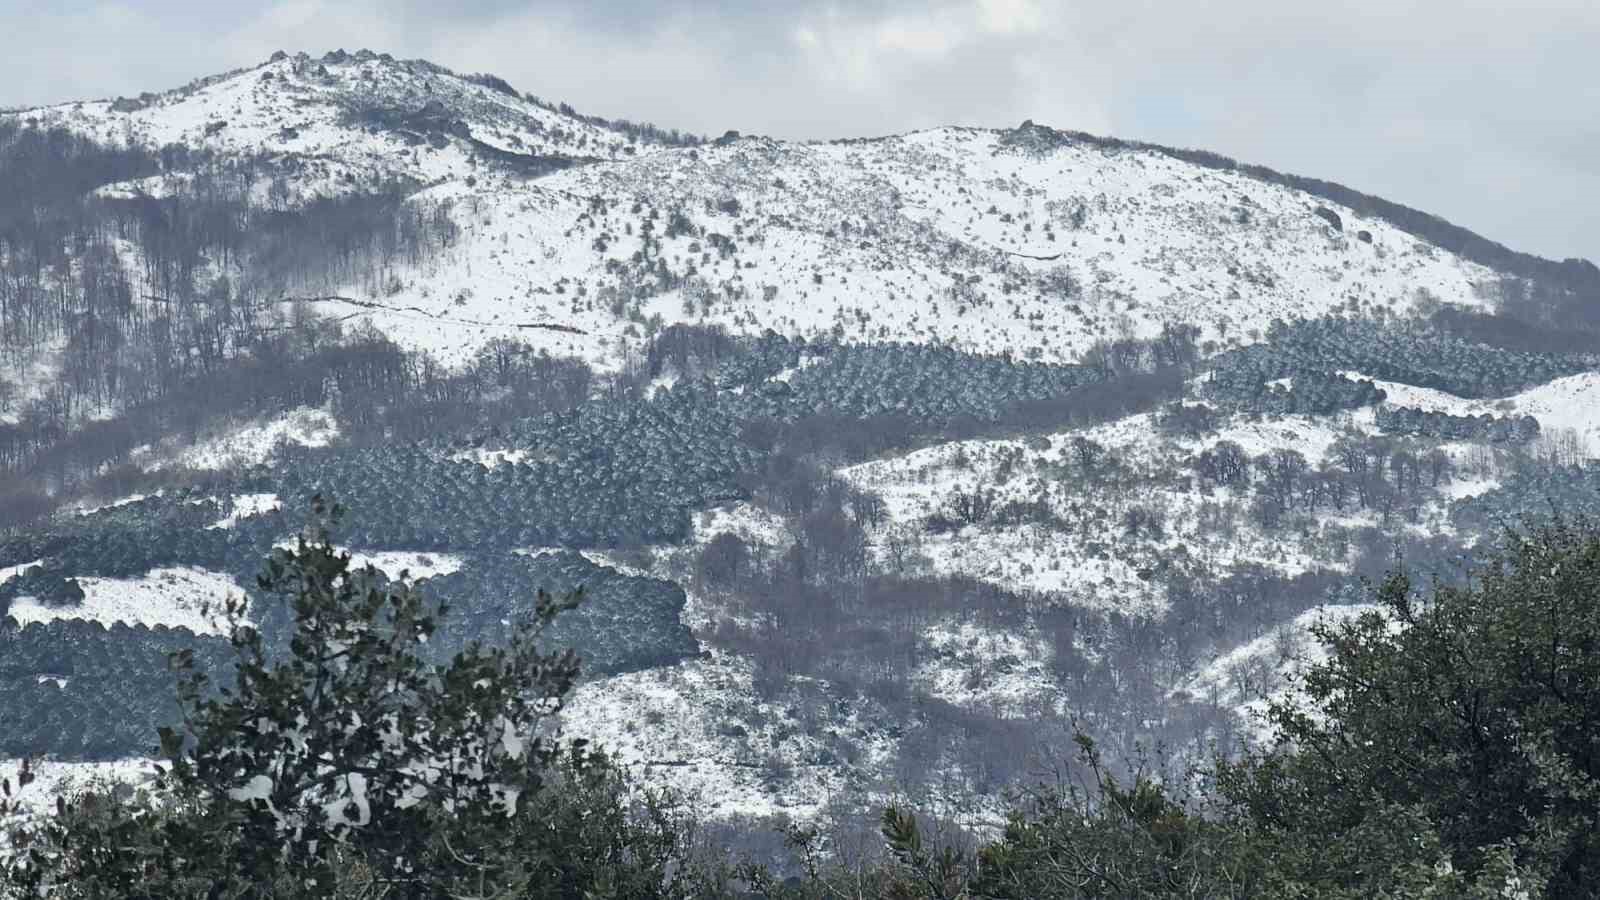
<point x="1454" y="733"/>
<point x="347" y="761"/>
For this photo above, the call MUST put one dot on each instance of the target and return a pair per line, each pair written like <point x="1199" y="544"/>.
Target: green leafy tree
<point x="1451" y="740"/>
<point x="1116" y="841"/>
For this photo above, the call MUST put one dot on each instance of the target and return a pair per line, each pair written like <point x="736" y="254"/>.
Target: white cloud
<point x="909" y="35"/>
<point x="1010" y="16"/>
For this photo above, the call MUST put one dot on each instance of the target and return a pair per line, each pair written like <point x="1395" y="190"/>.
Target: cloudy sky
<point x="1487" y="113"/>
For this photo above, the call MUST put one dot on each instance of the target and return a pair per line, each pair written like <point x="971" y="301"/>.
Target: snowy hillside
<point x="953" y="236"/>
<point x="1250" y="676"/>
<point x="1023" y="241"/>
<point x="176" y="597"/>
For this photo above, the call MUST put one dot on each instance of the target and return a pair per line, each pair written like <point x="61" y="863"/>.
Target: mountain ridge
<point x="1571" y="273"/>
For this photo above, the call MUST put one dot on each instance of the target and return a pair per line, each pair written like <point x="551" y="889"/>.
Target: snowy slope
<point x="243" y="443"/>
<point x="1571" y="402"/>
<point x="1246" y="678"/>
<point x="1084" y="555"/>
<point x="990" y="240"/>
<point x="699" y="728"/>
<point x="927" y="237"/>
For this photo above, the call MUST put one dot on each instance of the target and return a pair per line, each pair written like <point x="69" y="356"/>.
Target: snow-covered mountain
<point x="1027" y="240"/>
<point x="1000" y="579"/>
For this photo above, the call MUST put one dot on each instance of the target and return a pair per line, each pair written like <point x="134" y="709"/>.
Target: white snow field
<point x="173" y="597"/>
<point x="1146" y="239"/>
<point x="252" y="443"/>
<point x="416" y="565"/>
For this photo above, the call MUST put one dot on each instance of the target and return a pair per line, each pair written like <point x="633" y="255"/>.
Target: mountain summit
<point x="348" y="120"/>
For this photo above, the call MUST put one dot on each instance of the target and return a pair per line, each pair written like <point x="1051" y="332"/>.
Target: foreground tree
<point x="1449" y="741"/>
<point x="1448" y="746"/>
<point x="347" y="764"/>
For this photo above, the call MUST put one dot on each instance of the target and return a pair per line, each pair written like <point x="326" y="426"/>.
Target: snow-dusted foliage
<point x="354" y="736"/>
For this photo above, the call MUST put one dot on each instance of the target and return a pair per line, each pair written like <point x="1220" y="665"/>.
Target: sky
<point x="1487" y="114"/>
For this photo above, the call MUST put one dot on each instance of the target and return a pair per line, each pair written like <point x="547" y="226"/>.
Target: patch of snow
<point x="249" y="444"/>
<point x="419" y="565"/>
<point x="1311" y="436"/>
<point x="753" y="525"/>
<point x="168" y="596"/>
<point x="1427" y="399"/>
<point x="1467" y="488"/>
<point x="806" y="361"/>
<point x="699" y="728"/>
<point x="490" y="459"/>
<point x="1002" y="672"/>
<point x="259" y="787"/>
<point x="84" y="510"/>
<point x="9" y="572"/>
<point x="52" y="777"/>
<point x="243" y="506"/>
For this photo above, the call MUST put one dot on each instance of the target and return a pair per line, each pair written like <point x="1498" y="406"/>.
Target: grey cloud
<point x="1484" y="113"/>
